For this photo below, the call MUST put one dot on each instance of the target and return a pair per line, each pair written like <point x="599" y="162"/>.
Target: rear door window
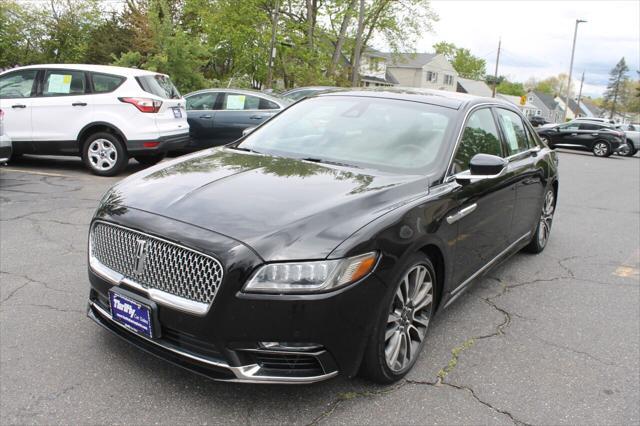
<point x="64" y="83"/>
<point x="267" y="104"/>
<point x="105" y="83"/>
<point x="18" y="84"/>
<point x="159" y="85"/>
<point x="514" y="131"/>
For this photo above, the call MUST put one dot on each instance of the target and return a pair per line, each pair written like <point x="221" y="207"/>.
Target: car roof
<point x="267" y="96"/>
<point x="454" y="100"/>
<point x="107" y="69"/>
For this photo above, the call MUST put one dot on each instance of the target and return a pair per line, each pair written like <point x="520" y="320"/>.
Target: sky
<point x="537" y="36"/>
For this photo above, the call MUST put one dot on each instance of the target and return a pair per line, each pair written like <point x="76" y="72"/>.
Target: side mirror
<point x="248" y="130"/>
<point x="487" y="165"/>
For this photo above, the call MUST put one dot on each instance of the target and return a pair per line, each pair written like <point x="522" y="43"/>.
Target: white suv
<point x="103" y="114"/>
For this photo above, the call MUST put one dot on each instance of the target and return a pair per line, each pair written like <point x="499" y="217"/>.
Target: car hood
<point x="282" y="208"/>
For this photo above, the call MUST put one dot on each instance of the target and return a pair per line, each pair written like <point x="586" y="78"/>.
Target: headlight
<point x="303" y="277"/>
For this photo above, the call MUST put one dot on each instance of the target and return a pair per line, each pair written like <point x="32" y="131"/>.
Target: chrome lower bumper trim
<point x="244" y="374"/>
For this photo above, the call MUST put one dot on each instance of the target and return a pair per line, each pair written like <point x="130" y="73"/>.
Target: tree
<point x="554" y="86"/>
<point x="508" y="88"/>
<point x="467" y="65"/>
<point x="617" y="80"/>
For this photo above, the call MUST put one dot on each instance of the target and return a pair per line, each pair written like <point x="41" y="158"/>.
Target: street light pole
<point x="573" y="50"/>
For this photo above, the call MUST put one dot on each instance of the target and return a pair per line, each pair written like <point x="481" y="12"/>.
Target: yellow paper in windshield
<point x="59" y="83"/>
<point x="235" y="101"/>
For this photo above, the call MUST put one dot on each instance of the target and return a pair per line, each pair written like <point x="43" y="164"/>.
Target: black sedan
<point x="600" y="138"/>
<point x="325" y="241"/>
<point x="219" y="116"/>
<point x="537" y="120"/>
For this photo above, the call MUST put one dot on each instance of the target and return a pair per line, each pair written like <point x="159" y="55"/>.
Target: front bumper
<point x="209" y="366"/>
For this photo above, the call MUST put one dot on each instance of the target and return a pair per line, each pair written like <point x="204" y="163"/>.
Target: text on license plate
<point x="132" y="314"/>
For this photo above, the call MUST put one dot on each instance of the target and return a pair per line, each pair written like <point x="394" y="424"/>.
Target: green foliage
<point x="508" y="88"/>
<point x="616" y="93"/>
<point x="467" y="65"/>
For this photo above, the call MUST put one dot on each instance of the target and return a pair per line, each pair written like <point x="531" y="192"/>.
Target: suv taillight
<point x="143" y="104"/>
<point x="1" y="114"/>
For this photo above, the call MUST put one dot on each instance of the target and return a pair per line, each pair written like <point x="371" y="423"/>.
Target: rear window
<point x="159" y="85"/>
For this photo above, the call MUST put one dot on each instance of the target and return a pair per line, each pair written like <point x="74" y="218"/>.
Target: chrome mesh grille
<point x="168" y="267"/>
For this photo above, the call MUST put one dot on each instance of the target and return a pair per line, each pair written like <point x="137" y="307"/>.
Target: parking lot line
<point x="33" y="172"/>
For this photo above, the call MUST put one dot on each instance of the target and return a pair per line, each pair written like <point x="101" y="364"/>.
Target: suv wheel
<point x="402" y="326"/>
<point x="104" y="154"/>
<point x="631" y="149"/>
<point x="601" y="149"/>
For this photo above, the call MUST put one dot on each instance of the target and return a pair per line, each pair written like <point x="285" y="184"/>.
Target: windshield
<point x="380" y="133"/>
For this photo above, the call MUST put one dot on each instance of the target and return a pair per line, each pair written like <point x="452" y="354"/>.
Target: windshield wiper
<point x="324" y="161"/>
<point x="239" y="148"/>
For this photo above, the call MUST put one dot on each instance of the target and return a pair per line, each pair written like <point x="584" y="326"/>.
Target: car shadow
<point x="61" y="164"/>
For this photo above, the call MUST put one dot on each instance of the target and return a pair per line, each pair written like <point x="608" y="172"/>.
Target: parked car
<point x="632" y="139"/>
<point x="323" y="242"/>
<point x="598" y="137"/>
<point x="103" y="114"/>
<point x="6" y="146"/>
<point x="538" y="120"/>
<point x="302" y="92"/>
<point x="219" y="116"/>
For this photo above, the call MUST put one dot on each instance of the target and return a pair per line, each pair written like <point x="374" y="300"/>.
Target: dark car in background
<point x="303" y="92"/>
<point x="537" y="120"/>
<point x="219" y="116"/>
<point x="600" y="138"/>
<point x="324" y="242"/>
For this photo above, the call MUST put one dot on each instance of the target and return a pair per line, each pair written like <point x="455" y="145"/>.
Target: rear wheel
<point x="149" y="160"/>
<point x="402" y="325"/>
<point x="601" y="149"/>
<point x="104" y="154"/>
<point x="543" y="229"/>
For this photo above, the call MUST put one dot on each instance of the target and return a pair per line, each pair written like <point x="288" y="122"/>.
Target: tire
<point x="543" y="228"/>
<point x="631" y="150"/>
<point x="601" y="149"/>
<point x="104" y="154"/>
<point x="386" y="358"/>
<point x="149" y="160"/>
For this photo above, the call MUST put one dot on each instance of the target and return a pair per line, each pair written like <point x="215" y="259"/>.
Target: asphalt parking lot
<point x="546" y="339"/>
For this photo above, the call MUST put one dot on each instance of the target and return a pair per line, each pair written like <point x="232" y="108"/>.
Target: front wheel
<point x="601" y="149"/>
<point x="631" y="149"/>
<point x="402" y="326"/>
<point x="104" y="154"/>
<point x="543" y="229"/>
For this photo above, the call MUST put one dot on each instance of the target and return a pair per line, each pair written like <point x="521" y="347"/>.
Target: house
<point x="474" y="87"/>
<point x="528" y="109"/>
<point x="590" y="109"/>
<point x="574" y="110"/>
<point x="374" y="71"/>
<point x="546" y="106"/>
<point x="424" y="70"/>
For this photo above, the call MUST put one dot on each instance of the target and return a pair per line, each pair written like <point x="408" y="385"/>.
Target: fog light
<point x="289" y="346"/>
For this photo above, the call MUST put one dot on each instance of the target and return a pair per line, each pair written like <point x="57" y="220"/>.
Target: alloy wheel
<point x="102" y="154"/>
<point x="544" y="229"/>
<point x="601" y="149"/>
<point x="408" y="318"/>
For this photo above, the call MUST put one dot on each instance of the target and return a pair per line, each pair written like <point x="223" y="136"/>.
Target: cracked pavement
<point x="546" y="339"/>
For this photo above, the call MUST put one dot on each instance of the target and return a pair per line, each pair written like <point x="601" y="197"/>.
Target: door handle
<point x="256" y="117"/>
<point x="206" y="116"/>
<point x="18" y="106"/>
<point x="461" y="213"/>
<point x="574" y="134"/>
<point x="594" y="134"/>
<point x="79" y="104"/>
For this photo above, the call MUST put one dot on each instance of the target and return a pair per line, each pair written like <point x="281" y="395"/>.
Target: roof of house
<point x="474" y="87"/>
<point x="593" y="108"/>
<point x="409" y="60"/>
<point x="546" y="99"/>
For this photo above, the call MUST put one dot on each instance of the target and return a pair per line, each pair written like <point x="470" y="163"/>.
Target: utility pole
<point x="580" y="92"/>
<point x="573" y="51"/>
<point x="495" y="75"/>
<point x="272" y="47"/>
